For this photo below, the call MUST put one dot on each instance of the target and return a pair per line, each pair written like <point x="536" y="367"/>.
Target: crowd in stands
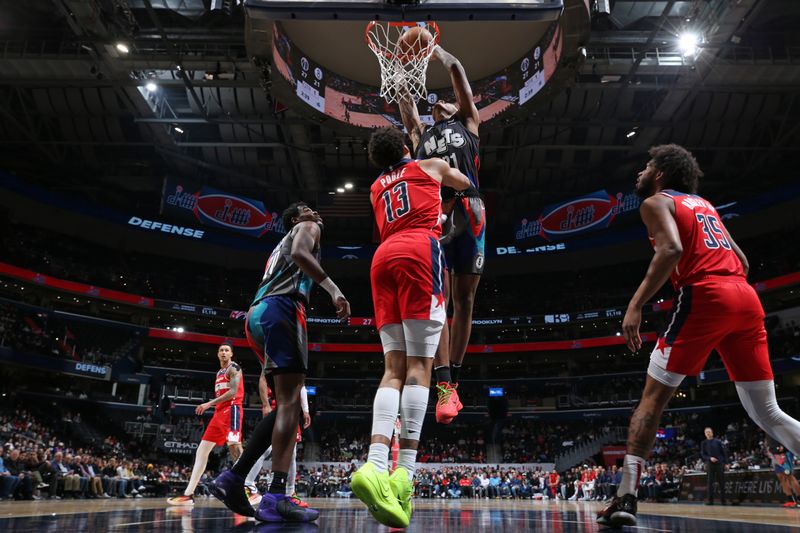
<point x="39" y="332"/>
<point x="36" y="463"/>
<point x="528" y="441"/>
<point x="41" y="458"/>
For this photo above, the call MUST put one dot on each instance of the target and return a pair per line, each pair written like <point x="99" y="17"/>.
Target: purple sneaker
<point x="282" y="508"/>
<point x="228" y="487"/>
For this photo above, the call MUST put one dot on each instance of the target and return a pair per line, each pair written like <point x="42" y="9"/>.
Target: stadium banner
<point x="207" y="310"/>
<point x="365" y="252"/>
<point x="750" y="486"/>
<point x="74" y="287"/>
<point x="579" y="215"/>
<point x="579" y="344"/>
<point x="62" y="366"/>
<point x="194" y="309"/>
<point x="218" y="209"/>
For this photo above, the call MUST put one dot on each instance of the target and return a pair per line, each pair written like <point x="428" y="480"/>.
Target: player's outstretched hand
<point x="630" y="328"/>
<point x="200" y="409"/>
<point x="306" y="420"/>
<point x="342" y="307"/>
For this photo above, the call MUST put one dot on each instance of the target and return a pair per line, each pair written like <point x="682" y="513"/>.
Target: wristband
<point x="332" y="289"/>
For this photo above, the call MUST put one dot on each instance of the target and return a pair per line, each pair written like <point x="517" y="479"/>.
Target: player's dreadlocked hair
<point x="289" y="213"/>
<point x="386" y="146"/>
<point x="680" y="168"/>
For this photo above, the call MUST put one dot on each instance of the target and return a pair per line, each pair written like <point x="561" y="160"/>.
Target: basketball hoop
<point x="402" y="71"/>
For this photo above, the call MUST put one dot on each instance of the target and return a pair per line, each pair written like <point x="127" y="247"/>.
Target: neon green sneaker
<point x="373" y="488"/>
<point x="403" y="489"/>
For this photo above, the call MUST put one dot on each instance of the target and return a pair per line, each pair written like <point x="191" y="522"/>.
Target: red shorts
<point x="225" y="426"/>
<point x="407" y="276"/>
<point x="722" y="314"/>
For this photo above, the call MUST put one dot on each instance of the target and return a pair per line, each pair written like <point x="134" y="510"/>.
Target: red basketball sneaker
<point x="298" y="501"/>
<point x="448" y="405"/>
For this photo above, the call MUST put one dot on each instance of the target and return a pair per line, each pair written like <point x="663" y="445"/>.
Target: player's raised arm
<point x="448" y="176"/>
<point x="661" y="226"/>
<point x="458" y="78"/>
<point x="409" y="114"/>
<point x="304" y="243"/>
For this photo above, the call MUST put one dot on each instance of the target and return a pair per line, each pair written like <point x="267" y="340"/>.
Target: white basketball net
<point x="402" y="73"/>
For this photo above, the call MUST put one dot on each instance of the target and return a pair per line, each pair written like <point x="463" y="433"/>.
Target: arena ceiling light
<point x="340" y="189"/>
<point x="178" y="129"/>
<point x="348" y="186"/>
<point x="687" y="43"/>
<point x="123" y="48"/>
<point x="151" y="86"/>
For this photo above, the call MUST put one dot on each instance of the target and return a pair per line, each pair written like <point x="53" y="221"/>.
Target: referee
<point x="715" y="456"/>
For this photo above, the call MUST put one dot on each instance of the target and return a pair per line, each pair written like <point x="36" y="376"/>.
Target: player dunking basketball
<point x="276" y="331"/>
<point x="454" y="138"/>
<point x="225" y="425"/>
<point x="715" y="308"/>
<point x="407" y="276"/>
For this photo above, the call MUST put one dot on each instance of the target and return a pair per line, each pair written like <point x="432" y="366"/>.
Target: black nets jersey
<point x="450" y="140"/>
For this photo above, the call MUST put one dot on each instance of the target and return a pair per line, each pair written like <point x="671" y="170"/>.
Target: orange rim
<point x="431" y="26"/>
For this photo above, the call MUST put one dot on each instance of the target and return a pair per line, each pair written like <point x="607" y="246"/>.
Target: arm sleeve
<point x="304" y="399"/>
<point x="703" y="450"/>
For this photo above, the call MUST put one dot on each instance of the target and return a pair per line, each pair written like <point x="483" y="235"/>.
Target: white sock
<point x="413" y="404"/>
<point x="292" y="474"/>
<point x="200" y="462"/>
<point x="379" y="456"/>
<point x="408" y="460"/>
<point x="631" y="473"/>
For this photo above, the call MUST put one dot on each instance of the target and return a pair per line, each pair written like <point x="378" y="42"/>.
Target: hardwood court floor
<point x="348" y="516"/>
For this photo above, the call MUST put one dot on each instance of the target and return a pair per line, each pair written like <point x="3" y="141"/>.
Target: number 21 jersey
<point x="405" y="198"/>
<point x="706" y="249"/>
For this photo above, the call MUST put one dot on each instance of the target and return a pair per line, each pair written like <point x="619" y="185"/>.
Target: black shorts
<point x="465" y="242"/>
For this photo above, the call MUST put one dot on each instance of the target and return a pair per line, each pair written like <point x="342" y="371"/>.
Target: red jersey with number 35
<point x="706" y="250"/>
<point x="406" y="198"/>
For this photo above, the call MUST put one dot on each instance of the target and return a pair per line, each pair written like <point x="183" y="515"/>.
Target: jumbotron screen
<point x="362" y="105"/>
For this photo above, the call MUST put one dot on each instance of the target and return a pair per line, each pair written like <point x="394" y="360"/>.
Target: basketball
<point x="413" y="43"/>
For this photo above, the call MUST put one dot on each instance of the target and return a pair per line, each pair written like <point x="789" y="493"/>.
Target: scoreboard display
<point x="362" y="105"/>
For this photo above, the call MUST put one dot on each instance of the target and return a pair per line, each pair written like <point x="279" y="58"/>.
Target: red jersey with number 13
<point x="706" y="250"/>
<point x="405" y="198"/>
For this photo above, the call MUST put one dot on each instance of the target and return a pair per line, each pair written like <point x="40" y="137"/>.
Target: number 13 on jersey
<point x="397" y="202"/>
